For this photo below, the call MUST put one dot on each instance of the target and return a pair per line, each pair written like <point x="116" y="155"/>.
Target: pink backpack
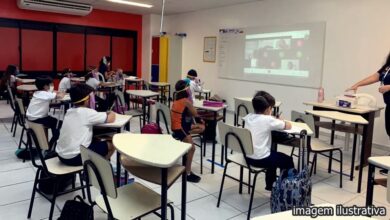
<point x="151" y="128"/>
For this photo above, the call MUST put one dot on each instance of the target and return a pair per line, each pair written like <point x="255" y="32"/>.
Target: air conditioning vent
<point x="56" y="6"/>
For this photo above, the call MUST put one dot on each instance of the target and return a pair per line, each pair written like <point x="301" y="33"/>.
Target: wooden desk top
<point x="142" y="93"/>
<point x="339" y="116"/>
<point x="332" y="105"/>
<point x="380" y="161"/>
<point x="297" y="127"/>
<point x="199" y="105"/>
<point x="27" y="88"/>
<point x="25" y="81"/>
<point x="120" y="121"/>
<point x="78" y="79"/>
<point x="133" y="79"/>
<point x="158" y="150"/>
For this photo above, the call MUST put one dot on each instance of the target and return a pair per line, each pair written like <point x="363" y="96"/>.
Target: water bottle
<point x="320" y="96"/>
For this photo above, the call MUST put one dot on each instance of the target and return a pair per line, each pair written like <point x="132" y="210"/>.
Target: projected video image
<point x="278" y="53"/>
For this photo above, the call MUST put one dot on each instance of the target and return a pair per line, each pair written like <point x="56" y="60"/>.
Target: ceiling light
<point x="131" y="3"/>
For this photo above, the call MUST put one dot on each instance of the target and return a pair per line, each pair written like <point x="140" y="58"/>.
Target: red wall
<point x="98" y="18"/>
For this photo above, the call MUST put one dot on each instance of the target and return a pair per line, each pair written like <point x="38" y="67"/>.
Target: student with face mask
<point x="182" y="122"/>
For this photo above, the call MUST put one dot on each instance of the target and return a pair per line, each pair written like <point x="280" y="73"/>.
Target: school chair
<point x="239" y="140"/>
<point x="318" y="146"/>
<point x="21" y="115"/>
<point x="241" y="110"/>
<point x="52" y="168"/>
<point x="120" y="100"/>
<point x="101" y="77"/>
<point x="164" y="113"/>
<point x="11" y="98"/>
<point x="131" y="201"/>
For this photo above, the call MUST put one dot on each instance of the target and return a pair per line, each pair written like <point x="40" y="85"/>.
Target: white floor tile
<point x="332" y="194"/>
<point x="174" y="193"/>
<point x="211" y="183"/>
<point x="16" y="211"/>
<point x="16" y="176"/>
<point x="16" y="193"/>
<point x="206" y="208"/>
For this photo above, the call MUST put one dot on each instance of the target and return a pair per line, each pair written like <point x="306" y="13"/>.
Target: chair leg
<point x="53" y="202"/>
<point x="241" y="176"/>
<point x="82" y="185"/>
<point x="16" y="125"/>
<point x="330" y="161"/>
<point x="249" y="181"/>
<point x="172" y="212"/>
<point x="292" y="151"/>
<point x="313" y="163"/>
<point x="251" y="200"/>
<point x="21" y="138"/>
<point x="315" y="166"/>
<point x="13" y="123"/>
<point x="341" y="168"/>
<point x="33" y="193"/>
<point x="201" y="155"/>
<point x="223" y="181"/>
<point x="74" y="181"/>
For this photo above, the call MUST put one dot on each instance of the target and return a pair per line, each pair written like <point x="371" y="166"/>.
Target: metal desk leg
<point x="213" y="153"/>
<point x="144" y="111"/>
<point x="164" y="192"/>
<point x="362" y="159"/>
<point x="184" y="190"/>
<point x="222" y="148"/>
<point x="370" y="184"/>
<point x="118" y="169"/>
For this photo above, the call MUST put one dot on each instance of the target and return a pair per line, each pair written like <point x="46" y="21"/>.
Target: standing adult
<point x="104" y="67"/>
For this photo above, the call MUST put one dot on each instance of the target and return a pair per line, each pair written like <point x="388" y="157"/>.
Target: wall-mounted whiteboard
<point x="286" y="55"/>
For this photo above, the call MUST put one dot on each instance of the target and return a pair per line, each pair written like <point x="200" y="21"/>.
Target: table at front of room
<point x="144" y="94"/>
<point x="206" y="92"/>
<point x="353" y="119"/>
<point x="156" y="150"/>
<point x="162" y="88"/>
<point x="199" y="105"/>
<point x="118" y="125"/>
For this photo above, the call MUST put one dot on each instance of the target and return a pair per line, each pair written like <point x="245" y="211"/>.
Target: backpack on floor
<point x="24" y="153"/>
<point x="293" y="187"/>
<point x="151" y="128"/>
<point x="76" y="210"/>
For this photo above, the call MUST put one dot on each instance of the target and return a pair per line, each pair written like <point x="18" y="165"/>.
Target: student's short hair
<point x="260" y="104"/>
<point x="43" y="81"/>
<point x="192" y="73"/>
<point x="78" y="92"/>
<point x="179" y="89"/>
<point x="270" y="99"/>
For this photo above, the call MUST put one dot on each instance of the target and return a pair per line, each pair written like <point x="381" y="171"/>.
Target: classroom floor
<point x="16" y="180"/>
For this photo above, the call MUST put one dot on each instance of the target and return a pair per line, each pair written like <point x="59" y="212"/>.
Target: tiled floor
<point x="16" y="180"/>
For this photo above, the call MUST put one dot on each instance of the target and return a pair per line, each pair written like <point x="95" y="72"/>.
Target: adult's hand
<point x="384" y="89"/>
<point x="352" y="88"/>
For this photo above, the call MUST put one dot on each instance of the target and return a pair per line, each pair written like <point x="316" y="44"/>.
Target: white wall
<point x="357" y="41"/>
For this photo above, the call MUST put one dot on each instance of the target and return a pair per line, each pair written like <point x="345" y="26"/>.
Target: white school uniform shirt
<point x="76" y="130"/>
<point x="195" y="87"/>
<point x="39" y="105"/>
<point x="260" y="127"/>
<point x="92" y="82"/>
<point x="64" y="84"/>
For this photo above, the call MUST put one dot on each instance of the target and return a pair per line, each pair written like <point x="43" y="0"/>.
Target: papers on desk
<point x="294" y="130"/>
<point x="120" y="121"/>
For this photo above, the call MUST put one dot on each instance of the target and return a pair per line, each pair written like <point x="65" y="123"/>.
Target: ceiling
<point x="171" y="6"/>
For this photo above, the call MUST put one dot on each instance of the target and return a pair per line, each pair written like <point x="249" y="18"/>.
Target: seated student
<point x="182" y="118"/>
<point x="103" y="104"/>
<point x="195" y="85"/>
<point x="38" y="109"/>
<point x="65" y="83"/>
<point x="77" y="127"/>
<point x="261" y="124"/>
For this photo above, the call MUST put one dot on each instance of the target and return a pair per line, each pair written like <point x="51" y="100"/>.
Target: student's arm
<point x="60" y="95"/>
<point x="278" y="124"/>
<point x="287" y="125"/>
<point x="373" y="78"/>
<point x="110" y="117"/>
<point x="191" y="108"/>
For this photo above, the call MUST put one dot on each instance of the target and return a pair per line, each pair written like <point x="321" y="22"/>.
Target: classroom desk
<point x="77" y="79"/>
<point x="120" y="122"/>
<point x="366" y="112"/>
<point x="382" y="162"/>
<point x="206" y="92"/>
<point x="156" y="150"/>
<point x="25" y="81"/>
<point x="350" y="118"/>
<point x="199" y="105"/>
<point x="137" y="82"/>
<point x="27" y="88"/>
<point x="162" y="87"/>
<point x="289" y="215"/>
<point x="144" y="94"/>
<point x="246" y="104"/>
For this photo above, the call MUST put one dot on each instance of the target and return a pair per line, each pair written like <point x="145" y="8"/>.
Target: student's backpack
<point x="293" y="187"/>
<point x="77" y="210"/>
<point x="151" y="128"/>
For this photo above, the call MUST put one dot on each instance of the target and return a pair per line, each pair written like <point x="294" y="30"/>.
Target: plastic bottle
<point x="320" y="96"/>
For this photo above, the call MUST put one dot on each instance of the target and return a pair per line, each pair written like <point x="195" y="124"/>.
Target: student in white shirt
<point x="195" y="85"/>
<point x="77" y="128"/>
<point x="65" y="83"/>
<point x="38" y="109"/>
<point x="261" y="124"/>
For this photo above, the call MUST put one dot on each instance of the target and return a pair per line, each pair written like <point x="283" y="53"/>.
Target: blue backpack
<point x="293" y="188"/>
